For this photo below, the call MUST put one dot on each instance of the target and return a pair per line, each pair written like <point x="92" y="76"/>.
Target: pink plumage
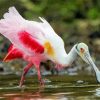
<point x="24" y="36"/>
<point x="32" y="41"/>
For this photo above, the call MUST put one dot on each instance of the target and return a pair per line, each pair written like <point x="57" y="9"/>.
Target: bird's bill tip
<point x="89" y="60"/>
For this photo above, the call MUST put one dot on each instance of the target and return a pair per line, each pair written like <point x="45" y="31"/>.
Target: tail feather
<point x="13" y="53"/>
<point x="12" y="21"/>
<point x="12" y="12"/>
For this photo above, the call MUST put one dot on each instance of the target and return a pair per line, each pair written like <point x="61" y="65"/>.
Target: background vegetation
<point x="74" y="20"/>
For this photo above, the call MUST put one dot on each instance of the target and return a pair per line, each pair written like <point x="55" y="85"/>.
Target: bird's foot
<point x="21" y="83"/>
<point x="42" y="82"/>
<point x="46" y="80"/>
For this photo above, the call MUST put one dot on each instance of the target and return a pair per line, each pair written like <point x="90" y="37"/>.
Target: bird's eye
<point x="82" y="50"/>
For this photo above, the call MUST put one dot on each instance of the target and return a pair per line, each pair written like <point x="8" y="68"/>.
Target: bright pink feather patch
<point x="10" y="47"/>
<point x="13" y="53"/>
<point x="30" y="42"/>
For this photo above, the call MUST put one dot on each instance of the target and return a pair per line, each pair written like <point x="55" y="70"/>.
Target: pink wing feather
<point x="13" y="53"/>
<point x="28" y="41"/>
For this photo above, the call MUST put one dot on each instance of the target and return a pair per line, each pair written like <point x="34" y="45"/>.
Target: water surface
<point x="63" y="87"/>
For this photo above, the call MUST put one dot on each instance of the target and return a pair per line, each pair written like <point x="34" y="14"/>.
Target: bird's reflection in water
<point x="34" y="97"/>
<point x="49" y="92"/>
<point x="37" y="95"/>
<point x="25" y="95"/>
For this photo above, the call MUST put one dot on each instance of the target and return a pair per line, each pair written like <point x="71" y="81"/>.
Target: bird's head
<point x="83" y="52"/>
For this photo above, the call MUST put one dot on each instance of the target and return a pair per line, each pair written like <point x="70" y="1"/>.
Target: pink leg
<point x="24" y="73"/>
<point x="37" y="65"/>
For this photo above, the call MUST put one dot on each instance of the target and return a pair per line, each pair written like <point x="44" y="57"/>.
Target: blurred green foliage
<point x="64" y="10"/>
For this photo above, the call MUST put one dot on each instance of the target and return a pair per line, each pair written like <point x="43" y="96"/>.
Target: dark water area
<point x="62" y="87"/>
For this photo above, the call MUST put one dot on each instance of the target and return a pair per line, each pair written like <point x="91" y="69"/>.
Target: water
<point x="79" y="87"/>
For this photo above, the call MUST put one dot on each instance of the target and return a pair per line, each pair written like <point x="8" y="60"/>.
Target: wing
<point x="13" y="53"/>
<point x="30" y="36"/>
<point x="25" y="35"/>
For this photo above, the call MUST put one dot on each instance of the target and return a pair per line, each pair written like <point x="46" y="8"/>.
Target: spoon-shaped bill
<point x="89" y="60"/>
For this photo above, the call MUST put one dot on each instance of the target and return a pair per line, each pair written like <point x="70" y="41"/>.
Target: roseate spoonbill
<point x="36" y="42"/>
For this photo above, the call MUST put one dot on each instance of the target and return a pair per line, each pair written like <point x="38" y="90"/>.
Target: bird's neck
<point x="71" y="56"/>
